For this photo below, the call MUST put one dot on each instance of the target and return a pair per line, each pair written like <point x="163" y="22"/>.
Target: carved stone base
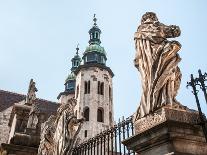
<point x="168" y="131"/>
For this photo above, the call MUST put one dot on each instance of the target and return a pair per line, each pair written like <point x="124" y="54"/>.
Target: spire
<point x="76" y="60"/>
<point x="70" y="80"/>
<point x="94" y="19"/>
<point x="94" y="53"/>
<point x="77" y="49"/>
<point x="95" y="32"/>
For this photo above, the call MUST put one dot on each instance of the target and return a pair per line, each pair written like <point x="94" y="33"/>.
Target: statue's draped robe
<point x="60" y="132"/>
<point x="66" y="133"/>
<point x="157" y="60"/>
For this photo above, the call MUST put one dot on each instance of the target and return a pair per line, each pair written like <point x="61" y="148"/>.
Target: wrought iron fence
<point x="108" y="142"/>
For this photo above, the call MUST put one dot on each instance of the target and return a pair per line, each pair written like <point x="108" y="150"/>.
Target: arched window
<point x="85" y="133"/>
<point x="102" y="88"/>
<point x="100" y="115"/>
<point x="110" y="118"/>
<point x="87" y="86"/>
<point x="77" y="91"/>
<point x="110" y="93"/>
<point x="99" y="87"/>
<point x="86" y="113"/>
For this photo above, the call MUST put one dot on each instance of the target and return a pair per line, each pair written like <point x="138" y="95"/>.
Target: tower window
<point x="102" y="88"/>
<point x="100" y="115"/>
<point x="87" y="85"/>
<point x="110" y="93"/>
<point x="99" y="87"/>
<point x="86" y="113"/>
<point x="110" y="117"/>
<point x="85" y="133"/>
<point x="77" y="91"/>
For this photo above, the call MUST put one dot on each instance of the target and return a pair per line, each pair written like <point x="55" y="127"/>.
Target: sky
<point x="38" y="39"/>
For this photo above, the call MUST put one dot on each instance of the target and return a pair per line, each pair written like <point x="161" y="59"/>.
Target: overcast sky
<point x="38" y="38"/>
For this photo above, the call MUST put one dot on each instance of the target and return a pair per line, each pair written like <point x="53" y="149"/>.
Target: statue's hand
<point x="175" y="30"/>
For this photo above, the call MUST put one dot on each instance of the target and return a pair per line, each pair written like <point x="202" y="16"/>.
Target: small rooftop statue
<point x="31" y="96"/>
<point x="157" y="61"/>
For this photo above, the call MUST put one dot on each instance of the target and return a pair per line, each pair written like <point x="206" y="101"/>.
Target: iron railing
<point x="108" y="142"/>
<point x="200" y="81"/>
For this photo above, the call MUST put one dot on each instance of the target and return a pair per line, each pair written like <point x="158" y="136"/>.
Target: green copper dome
<point x="70" y="77"/>
<point x="95" y="48"/>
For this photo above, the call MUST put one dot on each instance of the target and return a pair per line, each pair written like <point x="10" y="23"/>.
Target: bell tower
<point x="94" y="88"/>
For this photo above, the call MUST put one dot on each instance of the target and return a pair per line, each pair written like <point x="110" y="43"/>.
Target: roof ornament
<point x="77" y="49"/>
<point x="94" y="19"/>
<point x="31" y="96"/>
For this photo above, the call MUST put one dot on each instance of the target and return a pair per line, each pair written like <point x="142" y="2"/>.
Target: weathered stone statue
<point x="157" y="61"/>
<point x="60" y="132"/>
<point x="31" y="96"/>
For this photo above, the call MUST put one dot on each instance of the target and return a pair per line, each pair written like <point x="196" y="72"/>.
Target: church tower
<point x="69" y="91"/>
<point x="94" y="88"/>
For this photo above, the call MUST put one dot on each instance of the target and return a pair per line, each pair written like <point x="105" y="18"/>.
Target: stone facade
<point x="94" y="101"/>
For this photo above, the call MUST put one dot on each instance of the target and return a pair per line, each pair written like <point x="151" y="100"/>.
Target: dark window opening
<point x="77" y="91"/>
<point x="110" y="118"/>
<point x="86" y="114"/>
<point x="100" y="115"/>
<point x="102" y="88"/>
<point x="85" y="87"/>
<point x="89" y="85"/>
<point x="109" y="93"/>
<point x="99" y="90"/>
<point x="85" y="133"/>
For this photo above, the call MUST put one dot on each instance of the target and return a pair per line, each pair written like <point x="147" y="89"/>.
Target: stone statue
<point x="60" y="132"/>
<point x="157" y="61"/>
<point x="31" y="96"/>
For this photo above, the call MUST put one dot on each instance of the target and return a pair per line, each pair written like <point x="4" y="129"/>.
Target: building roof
<point x="7" y="99"/>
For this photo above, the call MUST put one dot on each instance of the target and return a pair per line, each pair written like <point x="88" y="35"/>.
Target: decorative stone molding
<point x="164" y="114"/>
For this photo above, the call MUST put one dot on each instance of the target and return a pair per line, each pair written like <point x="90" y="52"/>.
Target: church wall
<point x="4" y="121"/>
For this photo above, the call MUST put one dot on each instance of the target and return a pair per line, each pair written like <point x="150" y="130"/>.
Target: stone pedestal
<point x="168" y="131"/>
<point x="11" y="149"/>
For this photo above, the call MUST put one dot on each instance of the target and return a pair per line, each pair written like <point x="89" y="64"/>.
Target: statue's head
<point x="149" y="17"/>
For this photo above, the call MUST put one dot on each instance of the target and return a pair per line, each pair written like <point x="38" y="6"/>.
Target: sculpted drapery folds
<point x="60" y="132"/>
<point x="157" y="61"/>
